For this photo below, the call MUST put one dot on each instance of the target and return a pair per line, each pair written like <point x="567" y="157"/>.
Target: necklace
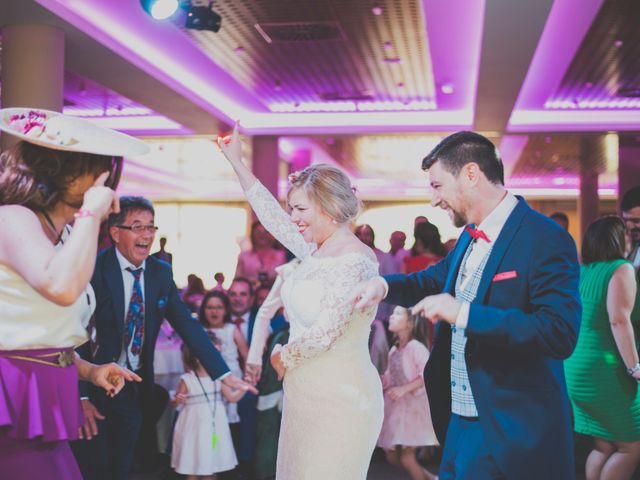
<point x="214" y="437"/>
<point x="53" y="227"/>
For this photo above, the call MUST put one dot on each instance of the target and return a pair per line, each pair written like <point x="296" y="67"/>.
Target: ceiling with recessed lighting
<point x="367" y="84"/>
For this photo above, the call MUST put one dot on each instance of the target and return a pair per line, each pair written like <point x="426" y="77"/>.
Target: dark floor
<point x="379" y="470"/>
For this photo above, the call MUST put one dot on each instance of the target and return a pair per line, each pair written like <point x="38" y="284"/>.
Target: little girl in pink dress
<point x="407" y="419"/>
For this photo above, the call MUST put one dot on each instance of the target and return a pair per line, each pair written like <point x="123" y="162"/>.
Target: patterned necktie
<point x="134" y="323"/>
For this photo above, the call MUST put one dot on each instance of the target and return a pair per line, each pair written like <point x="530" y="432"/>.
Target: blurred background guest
<point x="561" y="219"/>
<point x="397" y="251"/>
<point x="259" y="263"/>
<point x="219" y="278"/>
<point x="427" y="248"/>
<point x="193" y="293"/>
<point x="630" y="206"/>
<point x="162" y="254"/>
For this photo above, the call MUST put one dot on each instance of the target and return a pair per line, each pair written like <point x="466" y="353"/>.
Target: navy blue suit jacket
<point x="521" y="326"/>
<point x="161" y="300"/>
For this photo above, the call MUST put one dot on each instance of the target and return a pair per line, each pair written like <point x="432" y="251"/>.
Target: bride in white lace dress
<point x="333" y="403"/>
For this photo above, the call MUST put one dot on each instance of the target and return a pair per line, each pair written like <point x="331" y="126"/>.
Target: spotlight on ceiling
<point x="160" y="9"/>
<point x="200" y="16"/>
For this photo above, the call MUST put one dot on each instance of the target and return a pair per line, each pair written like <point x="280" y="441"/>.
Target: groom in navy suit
<point x="134" y="293"/>
<point x="508" y="310"/>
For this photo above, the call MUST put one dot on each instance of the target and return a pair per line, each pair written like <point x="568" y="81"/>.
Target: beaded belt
<point x="56" y="359"/>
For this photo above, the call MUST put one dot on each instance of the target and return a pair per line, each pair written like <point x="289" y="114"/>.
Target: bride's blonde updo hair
<point x="330" y="188"/>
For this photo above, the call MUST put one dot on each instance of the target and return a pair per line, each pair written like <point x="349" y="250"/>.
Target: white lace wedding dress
<point x="333" y="403"/>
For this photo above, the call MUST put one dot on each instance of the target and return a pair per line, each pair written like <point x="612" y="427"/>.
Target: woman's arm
<point x="58" y="275"/>
<point x="241" y="344"/>
<point x="621" y="296"/>
<point x="401" y="390"/>
<point x="271" y="304"/>
<point x="111" y="376"/>
<point x="336" y="316"/>
<point x="266" y="207"/>
<point x="180" y="397"/>
<point x="232" y="395"/>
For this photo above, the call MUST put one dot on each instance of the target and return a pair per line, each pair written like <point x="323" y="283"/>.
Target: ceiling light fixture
<point x="200" y="16"/>
<point x="160" y="9"/>
<point x="447" y="89"/>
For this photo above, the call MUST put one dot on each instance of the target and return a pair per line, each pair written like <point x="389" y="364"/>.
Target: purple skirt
<point x="39" y="412"/>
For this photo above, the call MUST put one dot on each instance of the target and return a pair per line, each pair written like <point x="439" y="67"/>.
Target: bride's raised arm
<point x="264" y="204"/>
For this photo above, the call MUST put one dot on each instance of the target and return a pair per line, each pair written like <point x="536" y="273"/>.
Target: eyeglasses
<point x="139" y="228"/>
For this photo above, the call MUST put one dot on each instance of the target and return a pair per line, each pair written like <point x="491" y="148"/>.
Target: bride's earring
<point x="334" y="221"/>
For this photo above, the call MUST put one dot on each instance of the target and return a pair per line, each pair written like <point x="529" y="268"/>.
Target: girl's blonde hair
<point x="330" y="188"/>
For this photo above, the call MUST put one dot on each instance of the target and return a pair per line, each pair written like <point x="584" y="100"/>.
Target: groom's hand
<point x="276" y="361"/>
<point x="368" y="294"/>
<point x="438" y="307"/>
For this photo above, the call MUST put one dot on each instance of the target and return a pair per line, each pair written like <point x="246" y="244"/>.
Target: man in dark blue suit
<point x="507" y="304"/>
<point x="134" y="293"/>
<point x="241" y="297"/>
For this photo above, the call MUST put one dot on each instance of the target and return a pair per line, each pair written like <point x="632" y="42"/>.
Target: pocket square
<point x="505" y="276"/>
<point x="162" y="303"/>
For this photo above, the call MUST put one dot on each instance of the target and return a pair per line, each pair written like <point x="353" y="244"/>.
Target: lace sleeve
<point x="261" y="326"/>
<point x="269" y="307"/>
<point x="276" y="220"/>
<point x="339" y="279"/>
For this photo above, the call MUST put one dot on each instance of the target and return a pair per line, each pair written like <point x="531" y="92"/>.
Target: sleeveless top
<point x="28" y="320"/>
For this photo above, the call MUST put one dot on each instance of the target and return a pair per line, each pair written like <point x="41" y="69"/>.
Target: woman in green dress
<point x="603" y="372"/>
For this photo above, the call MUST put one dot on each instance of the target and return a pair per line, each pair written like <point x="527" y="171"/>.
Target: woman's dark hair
<point x="225" y="301"/>
<point x="419" y="330"/>
<point x="604" y="240"/>
<point x="194" y="286"/>
<point x="38" y="177"/>
<point x="456" y="150"/>
<point x="190" y="361"/>
<point x="429" y="237"/>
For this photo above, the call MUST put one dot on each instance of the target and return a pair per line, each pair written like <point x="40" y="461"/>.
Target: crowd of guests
<point x="600" y="373"/>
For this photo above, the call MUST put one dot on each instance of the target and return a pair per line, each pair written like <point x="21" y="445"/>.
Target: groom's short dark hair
<point x="456" y="150"/>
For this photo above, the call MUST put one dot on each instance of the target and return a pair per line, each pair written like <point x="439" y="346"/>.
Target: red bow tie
<point x="476" y="234"/>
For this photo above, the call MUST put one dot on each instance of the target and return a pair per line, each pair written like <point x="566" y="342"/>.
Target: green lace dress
<point x="605" y="399"/>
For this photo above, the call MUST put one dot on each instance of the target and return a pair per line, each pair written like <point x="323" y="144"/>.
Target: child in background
<point x="202" y="444"/>
<point x="407" y="419"/>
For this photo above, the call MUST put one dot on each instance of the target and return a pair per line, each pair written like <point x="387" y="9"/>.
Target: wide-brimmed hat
<point x="62" y="132"/>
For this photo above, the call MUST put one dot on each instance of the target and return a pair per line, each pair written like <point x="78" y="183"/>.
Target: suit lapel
<point x="113" y="277"/>
<point x="500" y="248"/>
<point x="151" y="294"/>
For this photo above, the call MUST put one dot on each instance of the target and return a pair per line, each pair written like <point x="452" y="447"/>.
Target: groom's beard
<point x="459" y="219"/>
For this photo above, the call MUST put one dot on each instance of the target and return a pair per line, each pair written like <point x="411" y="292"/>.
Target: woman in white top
<point x="333" y="403"/>
<point x="56" y="175"/>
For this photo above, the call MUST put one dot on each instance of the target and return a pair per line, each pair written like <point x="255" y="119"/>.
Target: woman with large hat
<point x="63" y="171"/>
